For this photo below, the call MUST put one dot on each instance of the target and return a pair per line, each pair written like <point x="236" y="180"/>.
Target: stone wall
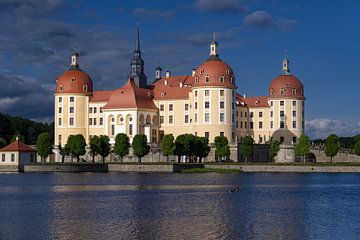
<point x="342" y="156"/>
<point x="9" y="168"/>
<point x="287" y="169"/>
<point x="65" y="167"/>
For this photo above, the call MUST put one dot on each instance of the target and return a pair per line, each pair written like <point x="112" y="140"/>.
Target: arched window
<point x="294" y="91"/>
<point x="73" y="79"/>
<point x="222" y="79"/>
<point x="282" y="90"/>
<point x="207" y="79"/>
<point x="196" y="79"/>
<point x="227" y="71"/>
<point x="61" y="88"/>
<point x="85" y="88"/>
<point x="232" y="79"/>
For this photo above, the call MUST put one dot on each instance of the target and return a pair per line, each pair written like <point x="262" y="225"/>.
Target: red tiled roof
<point x="130" y="96"/>
<point x="173" y="90"/>
<point x="73" y="81"/>
<point x="101" y="96"/>
<point x="17" y="146"/>
<point x="215" y="69"/>
<point x="252" y="102"/>
<point x="291" y="86"/>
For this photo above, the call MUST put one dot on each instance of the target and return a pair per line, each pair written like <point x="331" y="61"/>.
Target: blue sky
<point x="322" y="39"/>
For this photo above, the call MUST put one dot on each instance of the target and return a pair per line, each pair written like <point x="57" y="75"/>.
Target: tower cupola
<point x="213" y="48"/>
<point x="74" y="60"/>
<point x="285" y="66"/>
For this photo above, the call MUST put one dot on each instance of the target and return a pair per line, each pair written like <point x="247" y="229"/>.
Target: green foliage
<point x="274" y="148"/>
<point x="201" y="147"/>
<point x="357" y="138"/>
<point x="104" y="146"/>
<point x="302" y="148"/>
<point x="43" y="145"/>
<point x="332" y="146"/>
<point x="24" y="127"/>
<point x="184" y="145"/>
<point x="246" y="147"/>
<point x="122" y="145"/>
<point x="64" y="151"/>
<point x="357" y="148"/>
<point x="140" y="146"/>
<point x="94" y="146"/>
<point x="17" y="136"/>
<point x="76" y="145"/>
<point x="2" y="142"/>
<point x="222" y="148"/>
<point x="167" y="145"/>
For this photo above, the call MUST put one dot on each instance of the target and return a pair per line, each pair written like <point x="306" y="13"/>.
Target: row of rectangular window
<point x="94" y="109"/>
<point x="3" y="157"/>
<point x="251" y="125"/>
<point x="92" y="121"/>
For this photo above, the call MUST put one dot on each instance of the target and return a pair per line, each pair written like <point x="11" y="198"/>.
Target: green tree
<point x="76" y="146"/>
<point x="274" y="149"/>
<point x="167" y="145"/>
<point x="302" y="148"/>
<point x="201" y="148"/>
<point x="357" y="148"/>
<point x="63" y="152"/>
<point x="94" y="147"/>
<point x="222" y="148"/>
<point x="332" y="146"/>
<point x="357" y="138"/>
<point x="122" y="145"/>
<point x="140" y="146"/>
<point x="2" y="142"/>
<point x="43" y="145"/>
<point x="184" y="146"/>
<point x="17" y="136"/>
<point x="104" y="147"/>
<point x="246" y="147"/>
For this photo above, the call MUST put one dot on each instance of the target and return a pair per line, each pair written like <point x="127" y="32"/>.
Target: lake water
<point x="179" y="206"/>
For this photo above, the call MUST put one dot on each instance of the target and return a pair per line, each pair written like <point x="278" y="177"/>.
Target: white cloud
<point x="322" y="127"/>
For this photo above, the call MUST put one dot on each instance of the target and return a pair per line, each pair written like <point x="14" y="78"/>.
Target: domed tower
<point x="287" y="103"/>
<point x="213" y="93"/>
<point x="73" y="89"/>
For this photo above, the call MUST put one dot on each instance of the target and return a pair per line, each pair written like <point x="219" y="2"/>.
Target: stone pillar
<point x="286" y="154"/>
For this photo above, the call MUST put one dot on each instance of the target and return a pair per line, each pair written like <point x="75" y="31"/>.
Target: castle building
<point x="205" y="103"/>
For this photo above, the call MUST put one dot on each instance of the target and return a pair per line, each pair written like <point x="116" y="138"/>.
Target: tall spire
<point x="213" y="48"/>
<point x="137" y="46"/>
<point x="137" y="64"/>
<point x="285" y="65"/>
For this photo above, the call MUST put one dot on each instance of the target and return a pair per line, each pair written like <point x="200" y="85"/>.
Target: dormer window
<point x="163" y="94"/>
<point x="228" y="71"/>
<point x="222" y="79"/>
<point x="201" y="71"/>
<point x="271" y="91"/>
<point x="61" y="88"/>
<point x="287" y="85"/>
<point x="196" y="79"/>
<point x="207" y="79"/>
<point x="73" y="79"/>
<point x="282" y="91"/>
<point x="232" y="79"/>
<point x="302" y="91"/>
<point x="294" y="91"/>
<point x="85" y="88"/>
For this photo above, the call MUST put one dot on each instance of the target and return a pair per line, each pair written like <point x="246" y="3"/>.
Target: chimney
<point x="168" y="74"/>
<point x="165" y="82"/>
<point x="181" y="84"/>
<point x="244" y="95"/>
<point x="193" y="72"/>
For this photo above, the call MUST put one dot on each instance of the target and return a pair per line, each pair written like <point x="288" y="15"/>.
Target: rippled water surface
<point x="179" y="206"/>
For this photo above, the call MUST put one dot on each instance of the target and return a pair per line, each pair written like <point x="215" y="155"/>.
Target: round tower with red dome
<point x="287" y="103"/>
<point x="73" y="90"/>
<point x="213" y="93"/>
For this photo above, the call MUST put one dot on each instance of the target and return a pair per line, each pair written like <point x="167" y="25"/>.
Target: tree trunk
<point x="78" y="159"/>
<point x="62" y="158"/>
<point x="139" y="159"/>
<point x="167" y="158"/>
<point x="93" y="158"/>
<point x="331" y="159"/>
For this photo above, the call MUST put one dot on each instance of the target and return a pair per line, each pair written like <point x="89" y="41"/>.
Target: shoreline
<point x="190" y="167"/>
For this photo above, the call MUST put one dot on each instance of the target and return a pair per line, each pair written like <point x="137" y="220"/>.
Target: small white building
<point x="15" y="155"/>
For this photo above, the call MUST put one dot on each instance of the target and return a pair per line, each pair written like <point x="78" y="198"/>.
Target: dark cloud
<point x="223" y="6"/>
<point x="23" y="96"/>
<point x="262" y="20"/>
<point x="203" y="38"/>
<point x="152" y="13"/>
